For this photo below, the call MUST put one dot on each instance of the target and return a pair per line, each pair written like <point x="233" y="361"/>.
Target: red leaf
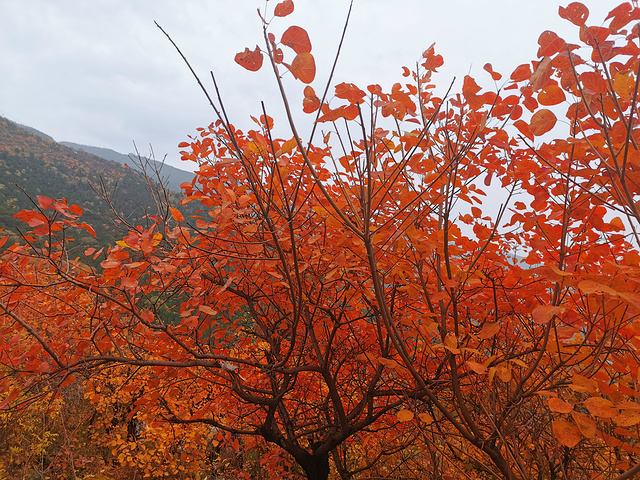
<point x="541" y="76"/>
<point x="283" y="8"/>
<point x="303" y="67"/>
<point x="469" y="86"/>
<point x="349" y="91"/>
<point x="297" y="38"/>
<point x="575" y="12"/>
<point x="250" y="60"/>
<point x="593" y="82"/>
<point x="128" y="282"/>
<point x="586" y="424"/>
<point x="431" y="60"/>
<point x="522" y="126"/>
<point x="404" y="415"/>
<point x="89" y="229"/>
<point x="348" y="112"/>
<point x="175" y="213"/>
<point x="550" y="44"/>
<point x="44" y="202"/>
<point x="311" y="102"/>
<point x="567" y="433"/>
<point x="594" y="36"/>
<point x="495" y="75"/>
<point x="542" y="122"/>
<point x="559" y="406"/>
<point x="551" y="95"/>
<point x="521" y="73"/>
<point x="543" y="314"/>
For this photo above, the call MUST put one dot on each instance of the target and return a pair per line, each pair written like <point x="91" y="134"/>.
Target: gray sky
<point x="99" y="72"/>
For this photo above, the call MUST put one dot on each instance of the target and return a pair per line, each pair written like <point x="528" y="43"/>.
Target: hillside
<point x="40" y="166"/>
<point x="171" y="177"/>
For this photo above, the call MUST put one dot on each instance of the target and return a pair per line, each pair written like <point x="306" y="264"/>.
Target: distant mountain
<point x="35" y="163"/>
<point x="171" y="177"/>
<point x="36" y="132"/>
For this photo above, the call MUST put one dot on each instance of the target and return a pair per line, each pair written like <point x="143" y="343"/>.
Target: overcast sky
<point x="99" y="72"/>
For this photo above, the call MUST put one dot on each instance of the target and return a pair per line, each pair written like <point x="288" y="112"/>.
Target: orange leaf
<point x="600" y="407"/>
<point x="495" y="75"/>
<point x="476" y="367"/>
<point x="594" y="36"/>
<point x="469" y="86"/>
<point x="522" y="126"/>
<point x="559" y="406"/>
<point x="489" y="329"/>
<point x="541" y="76"/>
<point x="586" y="424"/>
<point x="550" y="44"/>
<point x="432" y="61"/>
<point x="404" y="415"/>
<point x="311" y="102"/>
<point x="283" y="8"/>
<point x="623" y="84"/>
<point x="303" y="67"/>
<point x="44" y="202"/>
<point x="297" y="38"/>
<point x="451" y="344"/>
<point x="542" y="122"/>
<point x="521" y="73"/>
<point x="544" y="313"/>
<point x="582" y="384"/>
<point x="575" y="12"/>
<point x="616" y="223"/>
<point x="593" y="82"/>
<point x="177" y="216"/>
<point x="207" y="309"/>
<point x="551" y="95"/>
<point x="628" y="418"/>
<point x="128" y="282"/>
<point x="349" y="91"/>
<point x="250" y="60"/>
<point x="567" y="433"/>
<point x="426" y="418"/>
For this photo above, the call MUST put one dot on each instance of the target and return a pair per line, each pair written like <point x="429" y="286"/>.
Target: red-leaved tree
<point x="361" y="294"/>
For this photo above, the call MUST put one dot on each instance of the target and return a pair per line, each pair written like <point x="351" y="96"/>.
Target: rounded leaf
<point x="303" y="67"/>
<point x="550" y="44"/>
<point x="575" y="12"/>
<point x="551" y="95"/>
<point x="311" y="102"/>
<point x="488" y="330"/>
<point x="586" y="424"/>
<point x="623" y="84"/>
<point x="600" y="407"/>
<point x="542" y="314"/>
<point x="425" y="418"/>
<point x="559" y="406"/>
<point x="627" y="418"/>
<point x="476" y="367"/>
<point x="567" y="433"/>
<point x="404" y="415"/>
<point x="297" y="38"/>
<point x="283" y="8"/>
<point x="542" y="122"/>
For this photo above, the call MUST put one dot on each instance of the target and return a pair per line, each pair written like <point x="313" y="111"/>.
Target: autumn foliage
<point x="431" y="287"/>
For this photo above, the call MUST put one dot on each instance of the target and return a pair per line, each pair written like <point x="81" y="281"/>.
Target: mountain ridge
<point x="171" y="177"/>
<point x="33" y="164"/>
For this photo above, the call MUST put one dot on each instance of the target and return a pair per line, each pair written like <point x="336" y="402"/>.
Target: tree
<point x="359" y="287"/>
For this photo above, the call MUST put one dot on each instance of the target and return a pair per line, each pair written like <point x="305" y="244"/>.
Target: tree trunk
<point x="316" y="467"/>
